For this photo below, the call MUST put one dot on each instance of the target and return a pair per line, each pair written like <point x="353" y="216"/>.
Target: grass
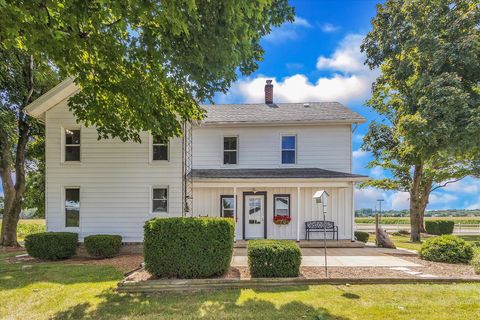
<point x="403" y="241"/>
<point x="66" y="291"/>
<point x="28" y="226"/>
<point x="406" y="220"/>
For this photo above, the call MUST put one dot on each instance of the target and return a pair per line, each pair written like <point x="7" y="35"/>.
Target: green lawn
<point x="65" y="291"/>
<point x="402" y="241"/>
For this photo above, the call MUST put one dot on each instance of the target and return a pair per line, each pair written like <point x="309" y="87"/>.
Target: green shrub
<point x="188" y="247"/>
<point x="476" y="262"/>
<point x="51" y="245"/>
<point x="439" y="227"/>
<point x="273" y="258"/>
<point x="446" y="248"/>
<point x="362" y="236"/>
<point x="103" y="245"/>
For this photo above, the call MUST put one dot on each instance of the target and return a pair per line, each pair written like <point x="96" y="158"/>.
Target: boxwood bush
<point x="273" y="258"/>
<point x="439" y="227"/>
<point x="446" y="248"/>
<point x="103" y="245"/>
<point x="188" y="247"/>
<point x="362" y="236"/>
<point x="51" y="245"/>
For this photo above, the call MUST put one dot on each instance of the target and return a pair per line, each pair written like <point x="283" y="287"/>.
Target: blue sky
<point x="317" y="58"/>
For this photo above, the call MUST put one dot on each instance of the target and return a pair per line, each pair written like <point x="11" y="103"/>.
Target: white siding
<point x="115" y="180"/>
<point x="339" y="210"/>
<point x="324" y="146"/>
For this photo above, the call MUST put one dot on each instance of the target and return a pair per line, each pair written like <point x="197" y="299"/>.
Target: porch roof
<point x="273" y="173"/>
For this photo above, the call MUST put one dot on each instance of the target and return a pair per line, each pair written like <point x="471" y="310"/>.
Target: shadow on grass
<point x="224" y="304"/>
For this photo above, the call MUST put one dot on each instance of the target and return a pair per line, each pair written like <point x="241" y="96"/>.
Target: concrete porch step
<point x="314" y="244"/>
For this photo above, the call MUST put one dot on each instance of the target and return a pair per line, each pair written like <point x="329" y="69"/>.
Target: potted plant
<point x="282" y="220"/>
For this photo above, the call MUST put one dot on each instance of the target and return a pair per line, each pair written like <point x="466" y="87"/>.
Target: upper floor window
<point x="281" y="205"/>
<point x="230" y="150"/>
<point x="72" y="145"/>
<point x="289" y="149"/>
<point x="159" y="200"/>
<point x="159" y="148"/>
<point x="72" y="207"/>
<point x="227" y="206"/>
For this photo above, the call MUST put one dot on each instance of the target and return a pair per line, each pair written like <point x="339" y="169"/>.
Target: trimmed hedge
<point x="439" y="227"/>
<point x="273" y="258"/>
<point x="188" y="247"/>
<point x="362" y="236"/>
<point x="51" y="245"/>
<point x="446" y="248"/>
<point x="103" y="245"/>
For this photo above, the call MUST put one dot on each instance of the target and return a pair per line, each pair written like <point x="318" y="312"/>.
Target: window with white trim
<point x="72" y="207"/>
<point x="230" y="150"/>
<point x="227" y="206"/>
<point x="289" y="149"/>
<point x="159" y="148"/>
<point x="72" y="145"/>
<point x="281" y="205"/>
<point x="159" y="200"/>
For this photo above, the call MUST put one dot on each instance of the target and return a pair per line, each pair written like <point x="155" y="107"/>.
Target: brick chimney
<point x="269" y="92"/>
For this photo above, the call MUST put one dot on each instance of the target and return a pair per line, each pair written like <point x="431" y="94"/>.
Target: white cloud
<point x="346" y="58"/>
<point x="287" y="31"/>
<point x="367" y="197"/>
<point x="399" y="200"/>
<point x="359" y="153"/>
<point x="349" y="81"/>
<point x="358" y="137"/>
<point x="328" y="27"/>
<point x="377" y="172"/>
<point x="470" y="186"/>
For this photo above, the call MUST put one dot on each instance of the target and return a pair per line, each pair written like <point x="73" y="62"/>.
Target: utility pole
<point x="380" y="211"/>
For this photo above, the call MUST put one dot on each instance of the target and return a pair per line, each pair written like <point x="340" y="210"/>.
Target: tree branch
<point x="446" y="183"/>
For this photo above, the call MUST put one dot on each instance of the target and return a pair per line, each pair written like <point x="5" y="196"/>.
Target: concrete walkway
<point x="340" y="257"/>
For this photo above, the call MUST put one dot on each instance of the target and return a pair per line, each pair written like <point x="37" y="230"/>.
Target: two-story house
<point x="251" y="162"/>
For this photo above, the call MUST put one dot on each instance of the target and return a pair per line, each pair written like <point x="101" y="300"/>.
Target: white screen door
<point x="254" y="216"/>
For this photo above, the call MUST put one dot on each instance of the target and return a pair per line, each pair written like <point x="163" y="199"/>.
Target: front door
<point x="254" y="215"/>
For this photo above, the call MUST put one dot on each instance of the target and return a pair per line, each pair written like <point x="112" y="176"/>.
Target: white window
<point x="72" y="207"/>
<point x="72" y="145"/>
<point x="159" y="200"/>
<point x="227" y="206"/>
<point x="230" y="150"/>
<point x="159" y="148"/>
<point x="281" y="205"/>
<point x="289" y="149"/>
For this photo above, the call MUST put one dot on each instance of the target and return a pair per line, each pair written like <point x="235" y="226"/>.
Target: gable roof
<point x="225" y="114"/>
<point x="291" y="113"/>
<point x="276" y="173"/>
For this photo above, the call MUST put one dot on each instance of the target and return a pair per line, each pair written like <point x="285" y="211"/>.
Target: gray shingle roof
<point x="285" y="173"/>
<point x="281" y="112"/>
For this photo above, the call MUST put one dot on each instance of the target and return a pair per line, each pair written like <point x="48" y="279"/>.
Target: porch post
<point x="235" y="211"/>
<point x="353" y="211"/>
<point x="298" y="214"/>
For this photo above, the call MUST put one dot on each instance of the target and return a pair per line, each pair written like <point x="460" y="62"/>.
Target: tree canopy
<point x="428" y="93"/>
<point x="143" y="65"/>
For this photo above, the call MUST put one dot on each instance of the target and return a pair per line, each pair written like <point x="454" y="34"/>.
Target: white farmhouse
<point x="256" y="163"/>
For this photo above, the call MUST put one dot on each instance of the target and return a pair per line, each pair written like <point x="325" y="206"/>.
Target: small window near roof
<point x="230" y="150"/>
<point x="228" y="206"/>
<point x="159" y="148"/>
<point x="72" y="145"/>
<point x="289" y="149"/>
<point x="72" y="207"/>
<point x="281" y="205"/>
<point x="160" y="200"/>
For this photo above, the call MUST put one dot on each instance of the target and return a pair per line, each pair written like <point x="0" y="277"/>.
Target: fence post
<point x="376" y="229"/>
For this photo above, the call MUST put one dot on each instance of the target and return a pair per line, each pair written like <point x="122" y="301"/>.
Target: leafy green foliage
<point x="439" y="227"/>
<point x="362" y="236"/>
<point x="428" y="93"/>
<point x="476" y="262"/>
<point x="143" y="65"/>
<point x="446" y="248"/>
<point x="51" y="245"/>
<point x="188" y="247"/>
<point x="103" y="245"/>
<point x="273" y="258"/>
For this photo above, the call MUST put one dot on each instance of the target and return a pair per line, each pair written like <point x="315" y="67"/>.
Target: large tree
<point x="142" y="65"/>
<point x="428" y="52"/>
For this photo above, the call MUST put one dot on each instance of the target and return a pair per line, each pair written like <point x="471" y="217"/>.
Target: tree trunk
<point x="415" y="210"/>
